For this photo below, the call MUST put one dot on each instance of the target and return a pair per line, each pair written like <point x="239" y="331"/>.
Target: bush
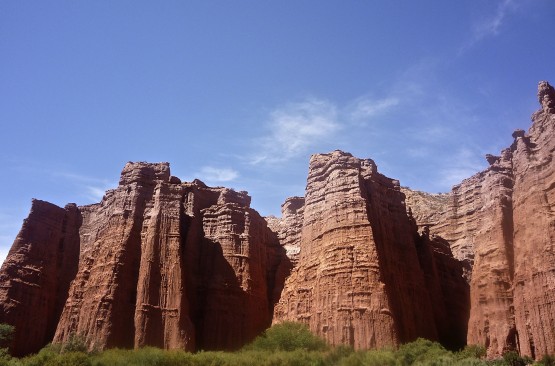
<point x="547" y="360"/>
<point x="512" y="358"/>
<point x="370" y="358"/>
<point x="422" y="351"/>
<point x="69" y="359"/>
<point x="143" y="357"/>
<point x="6" y="335"/>
<point x="471" y="351"/>
<point x="287" y="336"/>
<point x="75" y="343"/>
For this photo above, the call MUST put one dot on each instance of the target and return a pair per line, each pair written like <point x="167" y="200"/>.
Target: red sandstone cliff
<point x="534" y="230"/>
<point x="35" y="276"/>
<point x="182" y="265"/>
<point x="502" y="220"/>
<point x="289" y="226"/>
<point x="359" y="280"/>
<point x="156" y="262"/>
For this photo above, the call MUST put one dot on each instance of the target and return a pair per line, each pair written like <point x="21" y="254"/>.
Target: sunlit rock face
<point x="156" y="262"/>
<point x="501" y="223"/>
<point x="35" y="277"/>
<point x="534" y="230"/>
<point x="360" y="279"/>
<point x="360" y="260"/>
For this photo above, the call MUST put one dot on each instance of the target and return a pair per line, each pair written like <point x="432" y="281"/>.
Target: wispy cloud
<point x="92" y="188"/>
<point x="490" y="26"/>
<point x="364" y="108"/>
<point x="214" y="174"/>
<point x="295" y="128"/>
<point x="95" y="193"/>
<point x="465" y="163"/>
<point x="3" y="251"/>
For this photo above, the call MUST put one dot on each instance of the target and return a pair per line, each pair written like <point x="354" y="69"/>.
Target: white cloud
<point x="490" y="26"/>
<point x="364" y="108"/>
<point x="296" y="128"/>
<point x="4" y="251"/>
<point x="92" y="188"/>
<point x="95" y="193"/>
<point x="213" y="174"/>
<point x="464" y="164"/>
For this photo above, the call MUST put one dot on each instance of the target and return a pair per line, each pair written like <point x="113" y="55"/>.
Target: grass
<point x="288" y="344"/>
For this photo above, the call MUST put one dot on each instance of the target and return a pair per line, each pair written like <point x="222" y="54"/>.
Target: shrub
<point x="287" y="336"/>
<point x="370" y="358"/>
<point x="547" y="360"/>
<point x="422" y="351"/>
<point x="6" y="335"/>
<point x="471" y="351"/>
<point x="512" y="358"/>
<point x="75" y="343"/>
<point x="69" y="359"/>
<point x="44" y="355"/>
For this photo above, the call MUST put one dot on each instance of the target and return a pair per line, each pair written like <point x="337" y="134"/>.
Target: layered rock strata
<point x="289" y="226"/>
<point x="182" y="265"/>
<point x="502" y="222"/>
<point x="534" y="230"/>
<point x="35" y="277"/>
<point x="156" y="262"/>
<point x="359" y="280"/>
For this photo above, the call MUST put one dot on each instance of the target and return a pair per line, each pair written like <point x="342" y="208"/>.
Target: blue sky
<point x="240" y="93"/>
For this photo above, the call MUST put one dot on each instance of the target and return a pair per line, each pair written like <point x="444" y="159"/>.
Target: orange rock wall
<point x="358" y="280"/>
<point x="35" y="277"/>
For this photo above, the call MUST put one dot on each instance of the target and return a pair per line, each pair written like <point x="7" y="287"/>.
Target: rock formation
<point x="501" y="221"/>
<point x="35" y="277"/>
<point x="533" y="202"/>
<point x="359" y="279"/>
<point x="289" y="226"/>
<point x="183" y="265"/>
<point x="156" y="262"/>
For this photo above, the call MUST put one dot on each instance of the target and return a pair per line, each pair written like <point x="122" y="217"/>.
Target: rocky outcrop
<point x="448" y="289"/>
<point x="427" y="209"/>
<point x="182" y="265"/>
<point x="501" y="221"/>
<point x="485" y="220"/>
<point x="156" y="262"/>
<point x="35" y="277"/>
<point x="359" y="280"/>
<point x="289" y="226"/>
<point x="534" y="230"/>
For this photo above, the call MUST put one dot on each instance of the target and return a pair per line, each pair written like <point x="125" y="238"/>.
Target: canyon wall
<point x="534" y="229"/>
<point x="156" y="262"/>
<point x="359" y="259"/>
<point x="35" y="277"/>
<point x="360" y="279"/>
<point x="501" y="224"/>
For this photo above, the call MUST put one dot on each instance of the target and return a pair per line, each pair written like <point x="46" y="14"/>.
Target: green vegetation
<point x="289" y="344"/>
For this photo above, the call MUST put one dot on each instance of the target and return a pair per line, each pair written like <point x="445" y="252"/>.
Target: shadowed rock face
<point x="156" y="262"/>
<point x="182" y="265"/>
<point x="289" y="226"/>
<point x="534" y="230"/>
<point x="502" y="220"/>
<point x="359" y="279"/>
<point x="35" y="277"/>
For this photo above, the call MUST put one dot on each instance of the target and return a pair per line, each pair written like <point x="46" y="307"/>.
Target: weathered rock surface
<point x="534" y="230"/>
<point x="359" y="280"/>
<point x="35" y="277"/>
<point x="427" y="209"/>
<point x="156" y="262"/>
<point x="289" y="226"/>
<point x="182" y="265"/>
<point x="502" y="222"/>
